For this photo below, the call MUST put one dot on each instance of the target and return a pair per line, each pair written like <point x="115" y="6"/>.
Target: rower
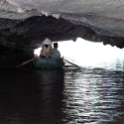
<point x="46" y="51"/>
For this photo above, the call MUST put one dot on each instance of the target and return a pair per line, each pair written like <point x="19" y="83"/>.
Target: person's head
<point x="55" y="45"/>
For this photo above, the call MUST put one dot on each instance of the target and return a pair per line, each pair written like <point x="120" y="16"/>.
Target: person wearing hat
<point x="46" y="51"/>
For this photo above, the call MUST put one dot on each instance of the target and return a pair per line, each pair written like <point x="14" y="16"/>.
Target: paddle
<point x="71" y="63"/>
<point x="24" y="63"/>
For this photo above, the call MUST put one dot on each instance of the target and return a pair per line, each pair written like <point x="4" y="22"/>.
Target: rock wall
<point x="26" y="23"/>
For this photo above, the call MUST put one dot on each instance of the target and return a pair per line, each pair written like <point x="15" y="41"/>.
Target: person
<point x="56" y="54"/>
<point x="46" y="51"/>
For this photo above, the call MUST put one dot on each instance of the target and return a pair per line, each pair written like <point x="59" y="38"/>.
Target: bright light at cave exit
<point x="37" y="51"/>
<point x="87" y="53"/>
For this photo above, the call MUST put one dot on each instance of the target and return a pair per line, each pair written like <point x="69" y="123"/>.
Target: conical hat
<point x="47" y="41"/>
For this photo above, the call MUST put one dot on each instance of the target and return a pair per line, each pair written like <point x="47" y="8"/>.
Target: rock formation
<point x="26" y="23"/>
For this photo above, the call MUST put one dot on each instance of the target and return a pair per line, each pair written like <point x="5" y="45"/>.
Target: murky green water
<point x="69" y="96"/>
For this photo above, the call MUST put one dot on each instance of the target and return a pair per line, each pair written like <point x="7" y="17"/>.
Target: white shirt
<point x="56" y="54"/>
<point x="46" y="51"/>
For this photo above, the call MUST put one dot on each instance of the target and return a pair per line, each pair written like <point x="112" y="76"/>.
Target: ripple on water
<point x="95" y="98"/>
<point x="83" y="96"/>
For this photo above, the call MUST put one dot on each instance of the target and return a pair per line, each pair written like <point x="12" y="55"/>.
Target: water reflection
<point x="70" y="96"/>
<point x="94" y="96"/>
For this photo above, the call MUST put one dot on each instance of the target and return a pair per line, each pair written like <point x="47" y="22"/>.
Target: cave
<point x="25" y="24"/>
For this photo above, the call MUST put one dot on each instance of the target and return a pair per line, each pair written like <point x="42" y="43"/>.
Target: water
<point x="94" y="97"/>
<point x="70" y="96"/>
<point x="93" y="94"/>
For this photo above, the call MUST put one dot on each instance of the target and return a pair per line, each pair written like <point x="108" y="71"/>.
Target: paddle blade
<point x="24" y="63"/>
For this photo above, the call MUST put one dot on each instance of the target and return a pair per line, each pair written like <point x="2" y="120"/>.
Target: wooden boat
<point x="48" y="63"/>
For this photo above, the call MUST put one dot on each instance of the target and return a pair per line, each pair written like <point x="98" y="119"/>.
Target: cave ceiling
<point x="26" y="23"/>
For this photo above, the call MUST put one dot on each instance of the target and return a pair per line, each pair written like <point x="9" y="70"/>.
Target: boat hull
<point x="48" y="63"/>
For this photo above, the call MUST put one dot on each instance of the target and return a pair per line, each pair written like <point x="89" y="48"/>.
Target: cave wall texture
<point x="26" y="23"/>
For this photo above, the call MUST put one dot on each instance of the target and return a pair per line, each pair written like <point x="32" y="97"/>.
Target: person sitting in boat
<point x="56" y="54"/>
<point x="46" y="51"/>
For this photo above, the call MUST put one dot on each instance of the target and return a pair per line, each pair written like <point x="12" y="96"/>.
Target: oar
<point x="72" y="63"/>
<point x="24" y="63"/>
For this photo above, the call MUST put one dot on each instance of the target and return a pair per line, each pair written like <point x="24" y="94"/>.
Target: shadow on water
<point x="31" y="97"/>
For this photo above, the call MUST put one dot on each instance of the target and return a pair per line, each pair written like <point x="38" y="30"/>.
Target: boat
<point x="48" y="63"/>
